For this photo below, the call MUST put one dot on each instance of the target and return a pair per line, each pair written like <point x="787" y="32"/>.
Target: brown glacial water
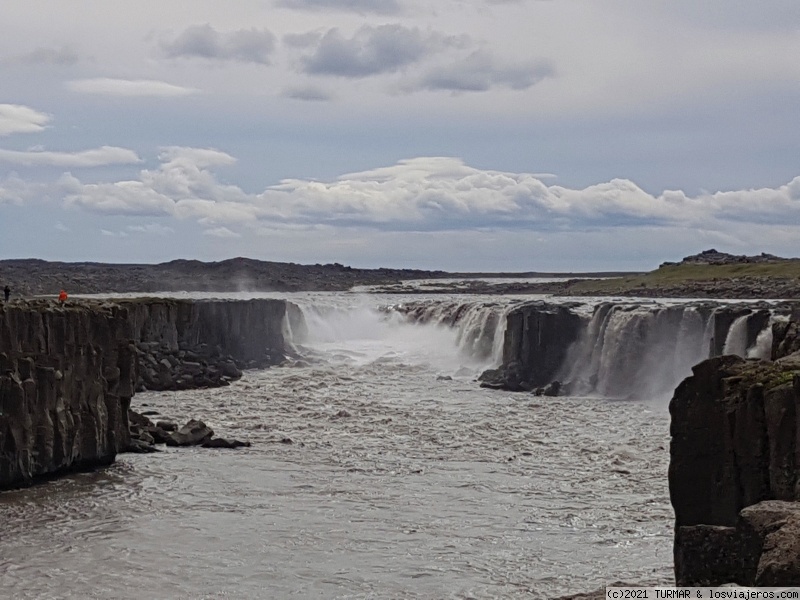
<point x="371" y="475"/>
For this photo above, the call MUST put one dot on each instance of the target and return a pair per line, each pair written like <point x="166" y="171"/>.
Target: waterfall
<point x="479" y="326"/>
<point x="620" y="350"/>
<point x="736" y="340"/>
<point x="633" y="350"/>
<point x="763" y="346"/>
<point x="455" y="338"/>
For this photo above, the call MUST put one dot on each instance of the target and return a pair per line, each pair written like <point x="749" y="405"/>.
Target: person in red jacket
<point x="62" y="296"/>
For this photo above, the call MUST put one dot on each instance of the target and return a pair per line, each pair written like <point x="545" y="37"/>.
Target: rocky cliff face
<point x="735" y="451"/>
<point x="535" y="344"/>
<point x="67" y="373"/>
<point x="185" y="344"/>
<point x="66" y="380"/>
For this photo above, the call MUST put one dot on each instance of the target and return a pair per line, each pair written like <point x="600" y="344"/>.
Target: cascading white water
<point x="638" y="351"/>
<point x="479" y="325"/>
<point x="736" y="340"/>
<point x="457" y="338"/>
<point x="763" y="346"/>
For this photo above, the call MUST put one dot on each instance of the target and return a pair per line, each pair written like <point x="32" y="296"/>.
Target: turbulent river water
<point x="379" y="469"/>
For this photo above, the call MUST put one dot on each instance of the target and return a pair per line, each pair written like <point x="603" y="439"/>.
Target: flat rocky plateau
<point x="709" y="274"/>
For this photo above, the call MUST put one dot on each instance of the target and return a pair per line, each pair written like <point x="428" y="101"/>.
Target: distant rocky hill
<point x="32" y="276"/>
<point x="714" y="257"/>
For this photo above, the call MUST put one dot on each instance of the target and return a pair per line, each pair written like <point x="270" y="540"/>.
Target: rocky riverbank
<point x="68" y="372"/>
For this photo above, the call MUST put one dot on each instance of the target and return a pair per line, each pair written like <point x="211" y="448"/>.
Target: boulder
<point x="224" y="443"/>
<point x="779" y="564"/>
<point x="193" y="433"/>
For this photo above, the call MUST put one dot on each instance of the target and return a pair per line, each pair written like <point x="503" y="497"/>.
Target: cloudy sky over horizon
<point x="463" y="135"/>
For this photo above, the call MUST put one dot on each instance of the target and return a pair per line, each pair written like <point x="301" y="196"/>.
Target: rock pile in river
<point x="145" y="434"/>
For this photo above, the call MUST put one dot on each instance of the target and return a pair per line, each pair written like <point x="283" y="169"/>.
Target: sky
<point x="481" y="135"/>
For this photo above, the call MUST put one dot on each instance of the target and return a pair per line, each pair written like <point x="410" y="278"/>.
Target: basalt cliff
<point x="734" y="472"/>
<point x="68" y="372"/>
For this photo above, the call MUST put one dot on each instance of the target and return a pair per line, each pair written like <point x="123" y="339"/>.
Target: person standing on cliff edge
<point x="7" y="293"/>
<point x="62" y="296"/>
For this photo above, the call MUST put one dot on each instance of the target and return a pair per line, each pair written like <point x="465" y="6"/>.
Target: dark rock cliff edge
<point x="68" y="372"/>
<point x="734" y="472"/>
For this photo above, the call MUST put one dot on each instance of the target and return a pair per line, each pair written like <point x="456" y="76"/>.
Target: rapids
<point x="379" y="469"/>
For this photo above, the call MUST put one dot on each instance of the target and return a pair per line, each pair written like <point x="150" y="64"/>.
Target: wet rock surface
<point x="146" y="435"/>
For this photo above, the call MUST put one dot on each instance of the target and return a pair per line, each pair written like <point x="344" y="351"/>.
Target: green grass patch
<point x="683" y="273"/>
<point x="784" y="378"/>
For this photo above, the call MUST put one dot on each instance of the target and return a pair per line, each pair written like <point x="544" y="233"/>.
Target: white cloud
<point x="434" y="193"/>
<point x="116" y="234"/>
<point x="129" y="87"/>
<point x="221" y="232"/>
<point x="105" y="155"/>
<point x="197" y="157"/>
<point x="182" y="186"/>
<point x="14" y="190"/>
<point x="151" y="229"/>
<point x="15" y="118"/>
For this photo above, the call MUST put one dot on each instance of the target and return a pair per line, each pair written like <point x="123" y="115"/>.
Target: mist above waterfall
<point x="452" y="338"/>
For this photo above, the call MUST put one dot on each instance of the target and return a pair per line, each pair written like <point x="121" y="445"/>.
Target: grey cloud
<point x="375" y="50"/>
<point x="302" y="40"/>
<point x="381" y="7"/>
<point x="59" y="57"/>
<point x="308" y="93"/>
<point x="480" y="71"/>
<point x="203" y="41"/>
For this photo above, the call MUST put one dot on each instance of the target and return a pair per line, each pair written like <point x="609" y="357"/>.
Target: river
<point x="379" y="469"/>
